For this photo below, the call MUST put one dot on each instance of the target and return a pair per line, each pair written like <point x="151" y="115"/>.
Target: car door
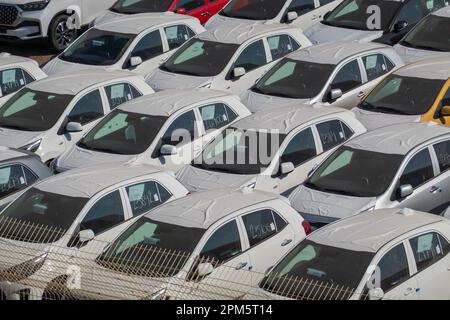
<point x="12" y="80"/>
<point x="432" y="261"/>
<point x="420" y="173"/>
<point x="375" y="66"/>
<point x="149" y="48"/>
<point x="195" y="8"/>
<point x="226" y="251"/>
<point x="269" y="238"/>
<point x="119" y="93"/>
<point x="442" y="153"/>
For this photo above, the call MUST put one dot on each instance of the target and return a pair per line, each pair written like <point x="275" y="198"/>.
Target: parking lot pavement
<point x="36" y="49"/>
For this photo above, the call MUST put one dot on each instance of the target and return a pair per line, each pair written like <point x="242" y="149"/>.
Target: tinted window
<point x="442" y="150"/>
<point x="301" y="6"/>
<point x="149" y="46"/>
<point x="12" y="80"/>
<point x="427" y="249"/>
<point x="14" y="178"/>
<point x="216" y="116"/>
<point x="393" y="268"/>
<point x="87" y="109"/>
<point x="104" y="214"/>
<point x="376" y="66"/>
<point x="145" y="196"/>
<point x="224" y="244"/>
<point x="252" y="57"/>
<point x="176" y="133"/>
<point x="141" y="6"/>
<point x="118" y="94"/>
<point x="419" y="170"/>
<point x="300" y="149"/>
<point x="333" y="133"/>
<point x="253" y="9"/>
<point x="411" y="12"/>
<point x="259" y="225"/>
<point x="348" y="77"/>
<point x="281" y="45"/>
<point x="446" y="99"/>
<point x="176" y="35"/>
<point x="190" y="4"/>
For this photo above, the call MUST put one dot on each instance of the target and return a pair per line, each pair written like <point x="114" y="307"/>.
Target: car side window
<point x="260" y="225"/>
<point x="104" y="214"/>
<point x="446" y="99"/>
<point x="176" y="133"/>
<point x="419" y="170"/>
<point x="376" y="65"/>
<point x="87" y="109"/>
<point x="301" y="6"/>
<point x="118" y="94"/>
<point x="177" y="35"/>
<point x="281" y="45"/>
<point x="348" y="77"/>
<point x="442" y="150"/>
<point x="428" y="249"/>
<point x="146" y="196"/>
<point x="432" y="5"/>
<point x="333" y="133"/>
<point x="224" y="244"/>
<point x="149" y="46"/>
<point x="300" y="149"/>
<point x="12" y="80"/>
<point x="14" y="178"/>
<point x="411" y="12"/>
<point x="252" y="57"/>
<point x="393" y="268"/>
<point x="189" y="5"/>
<point x="216" y="116"/>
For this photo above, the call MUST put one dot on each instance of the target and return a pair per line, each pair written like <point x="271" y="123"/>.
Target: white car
<point x="391" y="254"/>
<point x="428" y="39"/>
<point x="31" y="19"/>
<point x="337" y="74"/>
<point x="165" y="129"/>
<point x="271" y="150"/>
<point x="50" y="115"/>
<point x="15" y="73"/>
<point x="298" y="13"/>
<point x="211" y="245"/>
<point x="75" y="215"/>
<point x="137" y="43"/>
<point x="229" y="57"/>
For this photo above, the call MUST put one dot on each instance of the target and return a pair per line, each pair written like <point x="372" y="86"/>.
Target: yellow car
<point x="418" y="92"/>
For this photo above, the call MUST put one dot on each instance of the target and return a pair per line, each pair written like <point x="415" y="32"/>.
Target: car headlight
<point x="23" y="270"/>
<point x="369" y="209"/>
<point x="158" y="295"/>
<point x="32" y="147"/>
<point x="206" y="85"/>
<point x="34" y="6"/>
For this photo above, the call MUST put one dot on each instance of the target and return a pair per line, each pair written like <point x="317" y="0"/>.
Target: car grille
<point x="8" y="14"/>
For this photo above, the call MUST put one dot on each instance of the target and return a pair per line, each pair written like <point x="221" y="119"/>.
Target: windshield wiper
<point x="11" y="126"/>
<point x="423" y="47"/>
<point x="390" y="110"/>
<point x="338" y="191"/>
<point x="83" y="145"/>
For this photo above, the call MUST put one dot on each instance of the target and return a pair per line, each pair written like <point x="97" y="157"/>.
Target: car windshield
<point x="403" y="95"/>
<point x="314" y="263"/>
<point x="294" y="79"/>
<point x="30" y="110"/>
<point x="123" y="132"/>
<point x="253" y="9"/>
<point x="240" y="151"/>
<point x="98" y="48"/>
<point x="141" y="6"/>
<point x="201" y="58"/>
<point x="151" y="248"/>
<point x="37" y="210"/>
<point x="432" y="33"/>
<point x="356" y="14"/>
<point x="351" y="172"/>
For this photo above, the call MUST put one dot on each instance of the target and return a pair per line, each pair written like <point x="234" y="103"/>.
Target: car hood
<point x="195" y="179"/>
<point x="161" y="80"/>
<point x="57" y="66"/>
<point x="319" y="206"/>
<point x="374" y="120"/>
<point x="411" y="54"/>
<point x="256" y="102"/>
<point x="107" y="16"/>
<point x="17" y="139"/>
<point x="320" y="33"/>
<point x="77" y="157"/>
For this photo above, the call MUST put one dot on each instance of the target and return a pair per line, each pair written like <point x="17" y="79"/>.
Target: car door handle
<point x="286" y="242"/>
<point x="361" y="94"/>
<point x="241" y="265"/>
<point x="435" y="189"/>
<point x="409" y="291"/>
<point x="206" y="13"/>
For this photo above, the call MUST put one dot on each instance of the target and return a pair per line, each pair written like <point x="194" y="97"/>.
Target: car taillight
<point x="307" y="227"/>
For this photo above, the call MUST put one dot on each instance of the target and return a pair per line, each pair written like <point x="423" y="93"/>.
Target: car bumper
<point x="18" y="24"/>
<point x="15" y="291"/>
<point x="24" y="31"/>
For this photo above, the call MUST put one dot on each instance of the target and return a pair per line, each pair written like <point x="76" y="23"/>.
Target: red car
<point x="201" y="9"/>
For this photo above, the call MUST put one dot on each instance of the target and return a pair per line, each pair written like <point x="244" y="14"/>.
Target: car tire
<point x="57" y="290"/>
<point x="59" y="34"/>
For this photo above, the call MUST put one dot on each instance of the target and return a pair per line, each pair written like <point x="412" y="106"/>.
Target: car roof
<point x="73" y="83"/>
<point x="7" y="59"/>
<point x="443" y="12"/>
<point x="87" y="182"/>
<point x="285" y="119"/>
<point x="238" y="32"/>
<point x="9" y="154"/>
<point x="370" y="231"/>
<point x="203" y="209"/>
<point x="334" y="52"/>
<point x="136" y="23"/>
<point x="398" y="139"/>
<point x="166" y="103"/>
<point x="436" y="68"/>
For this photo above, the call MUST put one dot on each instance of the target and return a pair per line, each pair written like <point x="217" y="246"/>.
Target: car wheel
<point x="59" y="33"/>
<point x="57" y="290"/>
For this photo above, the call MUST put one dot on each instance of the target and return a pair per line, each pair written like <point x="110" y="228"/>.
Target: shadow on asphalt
<point x="38" y="49"/>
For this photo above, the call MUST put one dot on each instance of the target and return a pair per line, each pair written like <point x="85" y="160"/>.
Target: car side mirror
<point x="376" y="294"/>
<point x="405" y="191"/>
<point x="286" y="168"/>
<point x="238" y="72"/>
<point x="445" y="111"/>
<point x="335" y="94"/>
<point x="135" y="61"/>
<point x="291" y="16"/>
<point x="181" y="11"/>
<point x="400" y="25"/>
<point x="86" y="235"/>
<point x="168" y="150"/>
<point x="205" y="269"/>
<point x="74" y="127"/>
